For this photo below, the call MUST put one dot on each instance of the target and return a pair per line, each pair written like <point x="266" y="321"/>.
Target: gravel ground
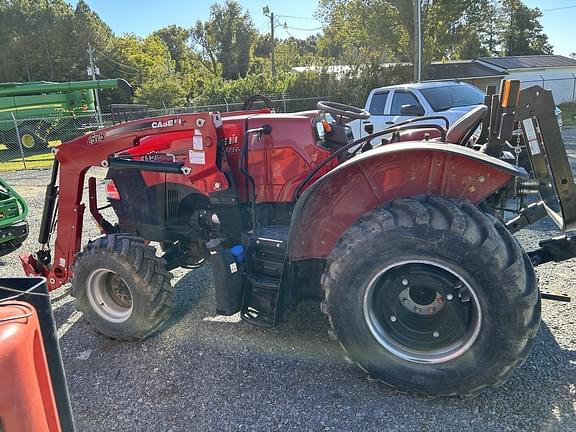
<point x="204" y="372"/>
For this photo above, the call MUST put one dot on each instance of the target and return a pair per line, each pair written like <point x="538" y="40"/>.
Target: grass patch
<point x="568" y="113"/>
<point x="35" y="161"/>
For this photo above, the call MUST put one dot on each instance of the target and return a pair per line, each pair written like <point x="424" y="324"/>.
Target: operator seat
<point x="463" y="128"/>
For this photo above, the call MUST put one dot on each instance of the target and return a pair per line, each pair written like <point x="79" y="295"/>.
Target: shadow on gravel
<point x="233" y="376"/>
<point x="191" y="289"/>
<point x="546" y="383"/>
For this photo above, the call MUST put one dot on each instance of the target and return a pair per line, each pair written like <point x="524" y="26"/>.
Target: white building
<point x="553" y="72"/>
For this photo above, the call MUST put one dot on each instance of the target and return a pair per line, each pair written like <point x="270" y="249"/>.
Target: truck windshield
<point x="442" y="98"/>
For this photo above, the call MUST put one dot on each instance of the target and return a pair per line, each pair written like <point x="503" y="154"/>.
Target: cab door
<point x="378" y="108"/>
<point x="403" y="98"/>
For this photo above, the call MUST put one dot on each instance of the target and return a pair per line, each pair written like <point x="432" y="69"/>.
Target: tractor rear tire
<point x="122" y="287"/>
<point x="432" y="296"/>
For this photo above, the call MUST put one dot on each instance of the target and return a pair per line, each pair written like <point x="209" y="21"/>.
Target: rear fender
<point x="335" y="201"/>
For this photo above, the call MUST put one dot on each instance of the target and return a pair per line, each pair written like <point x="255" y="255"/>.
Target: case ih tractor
<point x="401" y="243"/>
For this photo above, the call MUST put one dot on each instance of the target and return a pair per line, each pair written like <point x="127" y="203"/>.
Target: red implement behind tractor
<point x="401" y="242"/>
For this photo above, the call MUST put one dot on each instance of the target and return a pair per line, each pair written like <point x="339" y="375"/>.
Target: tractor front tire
<point x="122" y="287"/>
<point x="433" y="297"/>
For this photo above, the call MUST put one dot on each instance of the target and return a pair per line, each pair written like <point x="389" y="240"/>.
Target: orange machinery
<point x="33" y="392"/>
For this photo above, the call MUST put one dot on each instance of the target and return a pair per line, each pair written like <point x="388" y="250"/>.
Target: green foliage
<point x="225" y="40"/>
<point x="383" y="30"/>
<point x="225" y="58"/>
<point x="523" y="34"/>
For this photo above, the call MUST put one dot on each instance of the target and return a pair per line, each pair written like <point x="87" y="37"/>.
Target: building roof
<point x="529" y="61"/>
<point x="461" y="69"/>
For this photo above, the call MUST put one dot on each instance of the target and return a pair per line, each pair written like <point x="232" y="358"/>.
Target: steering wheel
<point x="249" y="103"/>
<point x="343" y="111"/>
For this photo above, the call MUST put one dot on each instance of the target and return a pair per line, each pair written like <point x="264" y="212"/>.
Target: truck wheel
<point x="432" y="296"/>
<point x="122" y="287"/>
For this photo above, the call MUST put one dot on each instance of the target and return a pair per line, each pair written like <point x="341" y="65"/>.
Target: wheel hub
<point x="109" y="295"/>
<point x="28" y="140"/>
<point x="422" y="301"/>
<point x="422" y="311"/>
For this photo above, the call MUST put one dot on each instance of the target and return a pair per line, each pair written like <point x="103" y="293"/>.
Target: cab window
<point x="403" y="98"/>
<point x="378" y="103"/>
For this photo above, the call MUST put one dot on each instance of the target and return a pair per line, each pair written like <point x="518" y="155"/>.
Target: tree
<point x="36" y="39"/>
<point x="89" y="29"/>
<point x="380" y="31"/>
<point x="176" y="40"/>
<point x="224" y="41"/>
<point x="523" y="34"/>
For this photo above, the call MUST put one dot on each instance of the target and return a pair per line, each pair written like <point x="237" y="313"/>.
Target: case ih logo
<point x="166" y="123"/>
<point x="95" y="138"/>
<point x="231" y="144"/>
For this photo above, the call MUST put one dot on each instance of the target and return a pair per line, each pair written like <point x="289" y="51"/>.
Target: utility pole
<point x="417" y="41"/>
<point x="93" y="70"/>
<point x="267" y="13"/>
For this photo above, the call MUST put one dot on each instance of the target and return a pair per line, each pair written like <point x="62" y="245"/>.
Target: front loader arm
<point x="72" y="161"/>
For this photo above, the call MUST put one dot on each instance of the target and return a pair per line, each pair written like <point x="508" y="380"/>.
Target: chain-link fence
<point x="563" y="87"/>
<point x="26" y="144"/>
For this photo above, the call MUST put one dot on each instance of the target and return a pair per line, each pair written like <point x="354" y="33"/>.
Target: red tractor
<point x="400" y="243"/>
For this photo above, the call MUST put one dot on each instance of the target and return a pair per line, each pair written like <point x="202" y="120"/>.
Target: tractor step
<point x="265" y="254"/>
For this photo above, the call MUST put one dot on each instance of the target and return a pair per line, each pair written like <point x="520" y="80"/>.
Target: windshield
<point x="442" y="98"/>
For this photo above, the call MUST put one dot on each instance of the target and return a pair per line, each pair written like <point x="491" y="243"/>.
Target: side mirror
<point x="411" y="110"/>
<point x="369" y="128"/>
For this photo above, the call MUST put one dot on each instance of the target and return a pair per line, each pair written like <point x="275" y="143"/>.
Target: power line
<point x="558" y="8"/>
<point x="296" y="17"/>
<point x="302" y="29"/>
<point x="120" y="68"/>
<point x="117" y="62"/>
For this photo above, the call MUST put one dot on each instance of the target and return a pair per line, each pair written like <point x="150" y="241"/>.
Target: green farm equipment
<point x="13" y="213"/>
<point x="35" y="113"/>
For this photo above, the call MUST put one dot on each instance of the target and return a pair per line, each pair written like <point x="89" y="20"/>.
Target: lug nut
<point x="406" y="300"/>
<point x="431" y="309"/>
<point x="393" y="318"/>
<point x="418" y="309"/>
<point x="449" y="297"/>
<point x="405" y="282"/>
<point x="436" y="334"/>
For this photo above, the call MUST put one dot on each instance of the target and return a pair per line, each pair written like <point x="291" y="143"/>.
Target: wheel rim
<point x="28" y="140"/>
<point x="422" y="311"/>
<point x="109" y="295"/>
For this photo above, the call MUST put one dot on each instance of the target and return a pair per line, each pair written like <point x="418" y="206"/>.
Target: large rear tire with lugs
<point x="122" y="287"/>
<point x="432" y="296"/>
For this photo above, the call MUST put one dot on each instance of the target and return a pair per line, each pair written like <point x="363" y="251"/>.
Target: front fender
<point x="335" y="201"/>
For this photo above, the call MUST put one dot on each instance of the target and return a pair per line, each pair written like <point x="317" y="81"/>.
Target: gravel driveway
<point x="206" y="372"/>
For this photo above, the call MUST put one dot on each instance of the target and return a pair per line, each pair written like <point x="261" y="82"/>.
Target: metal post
<point x="284" y="102"/>
<point x="417" y="41"/>
<point x="92" y="71"/>
<point x="574" y="88"/>
<point x="273" y="44"/>
<point x="266" y="12"/>
<point x="18" y="138"/>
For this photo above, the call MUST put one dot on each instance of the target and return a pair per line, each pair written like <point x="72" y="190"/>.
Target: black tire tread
<point x="145" y="263"/>
<point x="476" y="229"/>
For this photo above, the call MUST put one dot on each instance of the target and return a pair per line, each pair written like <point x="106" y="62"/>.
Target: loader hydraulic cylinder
<point x="49" y="205"/>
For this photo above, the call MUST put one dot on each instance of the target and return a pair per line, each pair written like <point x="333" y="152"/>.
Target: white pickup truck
<point x="394" y="104"/>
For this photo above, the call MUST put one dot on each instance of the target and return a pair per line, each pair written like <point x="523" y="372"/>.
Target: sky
<point x="144" y="16"/>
